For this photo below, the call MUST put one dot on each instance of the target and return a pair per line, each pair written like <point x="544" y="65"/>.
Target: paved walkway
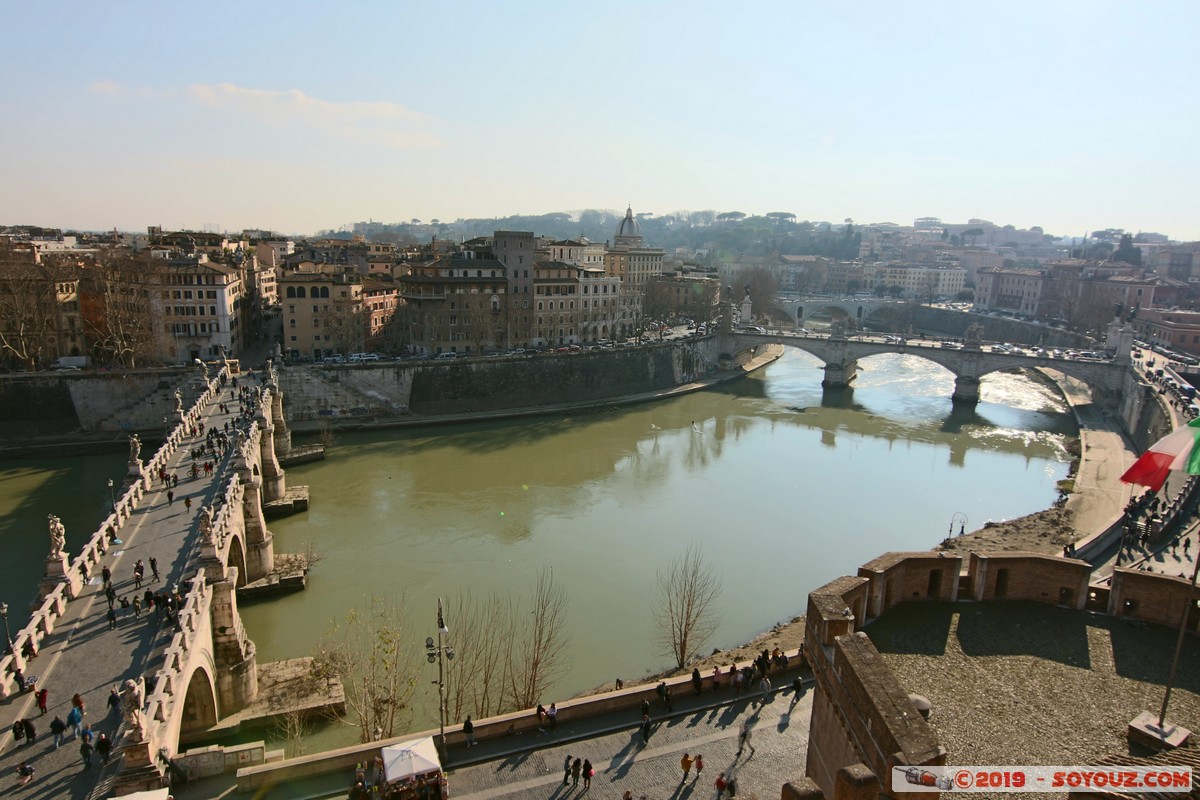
<point x="529" y="765"/>
<point x="83" y="655"/>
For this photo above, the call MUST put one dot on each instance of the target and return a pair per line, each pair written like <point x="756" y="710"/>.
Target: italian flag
<point x="1176" y="450"/>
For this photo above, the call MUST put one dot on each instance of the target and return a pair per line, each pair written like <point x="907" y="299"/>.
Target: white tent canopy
<point x="406" y="759"/>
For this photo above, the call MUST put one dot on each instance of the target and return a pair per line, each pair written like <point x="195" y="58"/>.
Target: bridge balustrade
<point x="168" y="680"/>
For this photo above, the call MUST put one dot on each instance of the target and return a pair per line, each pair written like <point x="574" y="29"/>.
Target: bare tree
<point x="292" y="727"/>
<point x="29" y="308"/>
<point x="685" y="613"/>
<point x="536" y="658"/>
<point x="482" y="636"/>
<point x="118" y="315"/>
<point x="375" y="660"/>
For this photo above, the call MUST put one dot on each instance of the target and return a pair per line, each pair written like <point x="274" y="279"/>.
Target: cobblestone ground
<point x="621" y="761"/>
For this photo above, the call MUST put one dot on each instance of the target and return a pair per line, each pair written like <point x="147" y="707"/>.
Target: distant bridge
<point x="840" y="355"/>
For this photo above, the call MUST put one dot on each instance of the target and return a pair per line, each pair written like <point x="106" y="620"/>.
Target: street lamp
<point x="440" y="653"/>
<point x="112" y="498"/>
<point x="7" y="635"/>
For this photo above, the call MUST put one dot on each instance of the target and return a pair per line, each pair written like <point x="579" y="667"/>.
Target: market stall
<point x="414" y="771"/>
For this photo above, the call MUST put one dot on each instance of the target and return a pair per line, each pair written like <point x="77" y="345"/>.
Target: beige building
<point x="323" y="314"/>
<point x="916" y="281"/>
<point x="1006" y="289"/>
<point x="629" y="258"/>
<point x="203" y="307"/>
<point x="455" y="305"/>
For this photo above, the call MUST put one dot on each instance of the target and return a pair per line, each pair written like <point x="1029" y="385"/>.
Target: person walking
<point x="112" y="619"/>
<point x="58" y="730"/>
<point x="42" y="696"/>
<point x="187" y="503"/>
<point x="468" y="729"/>
<point x="106" y="574"/>
<point x="103" y="748"/>
<point x="170" y="497"/>
<point x="744" y="738"/>
<point x="588" y="772"/>
<point x="154" y="568"/>
<point x="137" y="606"/>
<point x="697" y="681"/>
<point x="567" y="770"/>
<point x="717" y="678"/>
<point x="766" y="687"/>
<point x="720" y="783"/>
<point x="110" y="594"/>
<point x="645" y="729"/>
<point x="75" y="721"/>
<point x="576" y="771"/>
<point x="30" y="731"/>
<point x="124" y="608"/>
<point x="699" y="765"/>
<point x="685" y="764"/>
<point x="85" y="752"/>
<point x="139" y="571"/>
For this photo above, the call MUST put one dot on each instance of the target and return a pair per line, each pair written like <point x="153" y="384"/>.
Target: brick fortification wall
<point x="863" y="722"/>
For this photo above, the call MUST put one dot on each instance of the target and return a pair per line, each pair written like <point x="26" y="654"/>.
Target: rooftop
<point x="1025" y="683"/>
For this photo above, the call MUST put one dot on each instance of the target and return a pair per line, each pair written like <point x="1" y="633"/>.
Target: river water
<point x="783" y="486"/>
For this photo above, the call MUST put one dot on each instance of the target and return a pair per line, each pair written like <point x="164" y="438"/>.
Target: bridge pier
<point x="966" y="389"/>
<point x="280" y="432"/>
<point x="273" y="482"/>
<point x="839" y="376"/>
<point x="260" y="545"/>
<point x="233" y="653"/>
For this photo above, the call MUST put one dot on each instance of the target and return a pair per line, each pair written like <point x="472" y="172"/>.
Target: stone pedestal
<point x="56" y="572"/>
<point x="1145" y="731"/>
<point x="746" y="317"/>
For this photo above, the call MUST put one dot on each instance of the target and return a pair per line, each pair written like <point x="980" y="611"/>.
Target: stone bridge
<point x="200" y="667"/>
<point x="969" y="363"/>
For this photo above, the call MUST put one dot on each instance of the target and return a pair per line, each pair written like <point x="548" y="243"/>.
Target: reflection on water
<point x="785" y="487"/>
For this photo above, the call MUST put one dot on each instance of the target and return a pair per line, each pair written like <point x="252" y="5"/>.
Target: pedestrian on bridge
<point x="42" y="696"/>
<point x="685" y="764"/>
<point x="75" y="721"/>
<point x="85" y="752"/>
<point x="187" y="503"/>
<point x="170" y="497"/>
<point x="103" y="748"/>
<point x="153" y="571"/>
<point x="106" y="574"/>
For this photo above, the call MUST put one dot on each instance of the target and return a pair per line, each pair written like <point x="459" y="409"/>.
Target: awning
<point x="406" y="759"/>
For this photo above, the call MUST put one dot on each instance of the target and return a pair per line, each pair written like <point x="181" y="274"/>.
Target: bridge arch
<point x="237" y="558"/>
<point x="200" y="710"/>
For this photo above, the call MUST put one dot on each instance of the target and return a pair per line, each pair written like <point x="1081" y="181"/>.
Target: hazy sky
<point x="299" y="115"/>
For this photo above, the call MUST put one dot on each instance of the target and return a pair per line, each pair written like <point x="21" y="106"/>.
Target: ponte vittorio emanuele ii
<point x="181" y="668"/>
<point x="840" y="353"/>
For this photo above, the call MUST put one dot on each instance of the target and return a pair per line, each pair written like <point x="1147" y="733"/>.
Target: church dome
<point x="629" y="226"/>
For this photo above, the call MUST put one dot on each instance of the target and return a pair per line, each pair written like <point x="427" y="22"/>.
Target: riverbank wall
<point x="380" y="395"/>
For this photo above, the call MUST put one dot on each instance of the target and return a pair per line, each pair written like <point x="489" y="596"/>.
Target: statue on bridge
<point x="206" y="531"/>
<point x="974" y="336"/>
<point x="178" y="401"/>
<point x="58" y="536"/>
<point x="134" y="698"/>
<point x="135" y="448"/>
<point x="203" y="368"/>
<point x="837" y="329"/>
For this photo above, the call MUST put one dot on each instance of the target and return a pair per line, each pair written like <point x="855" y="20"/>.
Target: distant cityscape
<point x="73" y="299"/>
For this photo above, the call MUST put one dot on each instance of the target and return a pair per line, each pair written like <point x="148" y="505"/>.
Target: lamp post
<point x="4" y="616"/>
<point x="440" y="653"/>
<point x="111" y="497"/>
